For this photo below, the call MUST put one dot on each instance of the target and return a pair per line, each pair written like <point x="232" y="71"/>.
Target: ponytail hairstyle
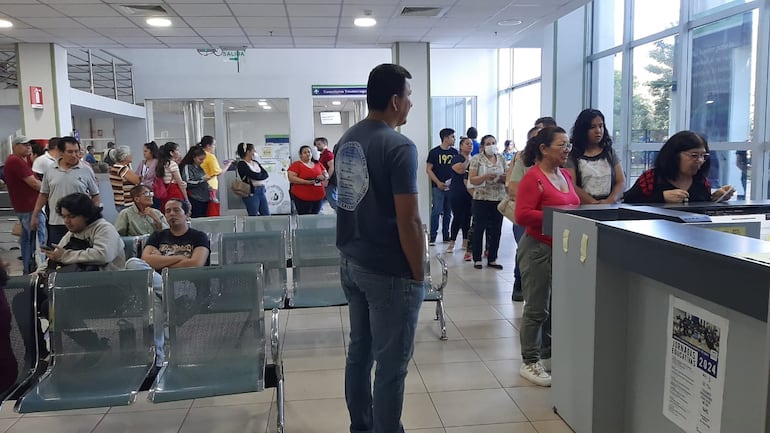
<point x="164" y="158"/>
<point x="243" y="148"/>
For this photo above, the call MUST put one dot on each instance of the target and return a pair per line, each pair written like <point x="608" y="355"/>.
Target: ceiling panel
<point x="196" y="22"/>
<point x="173" y="31"/>
<point x="86" y="10"/>
<point x="278" y="40"/>
<point x="228" y="41"/>
<point x="263" y="21"/>
<point x="219" y="31"/>
<point x="356" y="10"/>
<point x="314" y="22"/>
<point x="106" y="22"/>
<point x="54" y="23"/>
<point x="202" y="10"/>
<point x="308" y="10"/>
<point x="272" y="32"/>
<point x="258" y="10"/>
<point x="312" y="32"/>
<point x="28" y="11"/>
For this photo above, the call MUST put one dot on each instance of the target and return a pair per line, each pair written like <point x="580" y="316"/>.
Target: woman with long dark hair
<point x="595" y="168"/>
<point x="251" y="171"/>
<point x="146" y="168"/>
<point x="680" y="174"/>
<point x="167" y="175"/>
<point x="197" y="181"/>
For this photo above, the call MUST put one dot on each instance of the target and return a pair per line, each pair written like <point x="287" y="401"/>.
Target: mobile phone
<point x="724" y="196"/>
<point x="48" y="247"/>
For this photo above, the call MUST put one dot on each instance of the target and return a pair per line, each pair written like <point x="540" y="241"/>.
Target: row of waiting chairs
<point x="102" y="345"/>
<point x="300" y="257"/>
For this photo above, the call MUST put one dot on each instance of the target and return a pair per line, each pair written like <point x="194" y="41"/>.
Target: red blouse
<point x="308" y="192"/>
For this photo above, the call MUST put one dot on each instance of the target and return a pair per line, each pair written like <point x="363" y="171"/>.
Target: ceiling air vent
<point x="143" y="10"/>
<point x="421" y="11"/>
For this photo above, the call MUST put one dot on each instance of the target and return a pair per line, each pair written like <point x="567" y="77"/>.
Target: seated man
<point x="140" y="218"/>
<point x="178" y="246"/>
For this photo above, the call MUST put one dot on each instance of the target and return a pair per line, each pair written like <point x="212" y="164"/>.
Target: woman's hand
<point x="54" y="254"/>
<point x="727" y="191"/>
<point x="676" y="196"/>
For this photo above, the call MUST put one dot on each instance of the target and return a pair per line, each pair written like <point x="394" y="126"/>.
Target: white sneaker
<point x="450" y="249"/>
<point x="535" y="373"/>
<point x="546" y="364"/>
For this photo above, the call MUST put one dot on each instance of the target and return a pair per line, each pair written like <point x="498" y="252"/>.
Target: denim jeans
<point x="27" y="240"/>
<point x="383" y="317"/>
<point x="256" y="204"/>
<point x="158" y="312"/>
<point x="518" y="232"/>
<point x="441" y="206"/>
<point x="331" y="195"/>
<point x="535" y="332"/>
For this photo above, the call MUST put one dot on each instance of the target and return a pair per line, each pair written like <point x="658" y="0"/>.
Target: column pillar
<point x="415" y="57"/>
<point x="44" y="66"/>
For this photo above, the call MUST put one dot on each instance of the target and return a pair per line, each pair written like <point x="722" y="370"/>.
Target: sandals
<point x="477" y="265"/>
<point x="495" y="266"/>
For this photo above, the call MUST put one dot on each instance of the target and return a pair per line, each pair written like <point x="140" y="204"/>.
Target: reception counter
<point x="613" y="283"/>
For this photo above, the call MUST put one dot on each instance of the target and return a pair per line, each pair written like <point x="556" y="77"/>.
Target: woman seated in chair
<point x="91" y="242"/>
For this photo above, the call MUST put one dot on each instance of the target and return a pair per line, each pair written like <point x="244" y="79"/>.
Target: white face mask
<point x="490" y="150"/>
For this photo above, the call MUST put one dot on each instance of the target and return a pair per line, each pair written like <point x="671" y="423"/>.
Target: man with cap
<point x="23" y="188"/>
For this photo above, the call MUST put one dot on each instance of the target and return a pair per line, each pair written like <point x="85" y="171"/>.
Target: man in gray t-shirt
<point x="380" y="238"/>
<point x="67" y="176"/>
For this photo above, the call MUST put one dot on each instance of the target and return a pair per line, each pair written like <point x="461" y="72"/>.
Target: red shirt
<point x="23" y="196"/>
<point x="536" y="192"/>
<point x="326" y="156"/>
<point x="307" y="192"/>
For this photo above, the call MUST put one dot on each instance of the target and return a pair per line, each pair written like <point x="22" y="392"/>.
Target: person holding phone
<point x="308" y="180"/>
<point x="680" y="174"/>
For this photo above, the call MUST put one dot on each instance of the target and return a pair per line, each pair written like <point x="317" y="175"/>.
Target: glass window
<point x="652" y="86"/>
<point x="607" y="93"/>
<point x="505" y="72"/>
<point x="168" y="121"/>
<point x="607" y="24"/>
<point x="526" y="64"/>
<point x="641" y="161"/>
<point x="731" y="167"/>
<point x="699" y="8"/>
<point x="652" y="16"/>
<point x="525" y="109"/>
<point x="722" y="76"/>
<point x="456" y="112"/>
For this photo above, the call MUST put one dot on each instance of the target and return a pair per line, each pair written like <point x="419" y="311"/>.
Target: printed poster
<point x="695" y="367"/>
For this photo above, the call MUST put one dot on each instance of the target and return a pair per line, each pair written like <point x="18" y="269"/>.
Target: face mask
<point x="490" y="150"/>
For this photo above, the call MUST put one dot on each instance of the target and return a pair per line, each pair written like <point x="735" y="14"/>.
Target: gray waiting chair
<point x="133" y="245"/>
<point x="20" y="363"/>
<point x="316" y="221"/>
<point x="316" y="263"/>
<point x="435" y="293"/>
<point x="101" y="341"/>
<point x="213" y="226"/>
<point x="265" y="247"/>
<point x="216" y="335"/>
<point x="271" y="223"/>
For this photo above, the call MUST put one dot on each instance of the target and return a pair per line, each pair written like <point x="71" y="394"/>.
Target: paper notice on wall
<point x="695" y="367"/>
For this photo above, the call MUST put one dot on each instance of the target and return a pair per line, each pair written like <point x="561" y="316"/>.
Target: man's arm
<point x="331" y="167"/>
<point x="429" y="169"/>
<point x="156" y="260"/>
<point x="42" y="199"/>
<point x="198" y="259"/>
<point x="410" y="233"/>
<point x="97" y="200"/>
<point x="33" y="182"/>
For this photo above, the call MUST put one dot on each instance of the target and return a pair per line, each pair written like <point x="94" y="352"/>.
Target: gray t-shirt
<point x="373" y="162"/>
<point x="58" y="183"/>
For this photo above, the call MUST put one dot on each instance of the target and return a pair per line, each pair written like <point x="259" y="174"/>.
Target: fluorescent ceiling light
<point x="211" y="103"/>
<point x="231" y="108"/>
<point x="365" y="22"/>
<point x="262" y="103"/>
<point x="158" y="22"/>
<point x="5" y="24"/>
<point x="336" y="103"/>
<point x="267" y="107"/>
<point x="262" y="100"/>
<point x="509" y="23"/>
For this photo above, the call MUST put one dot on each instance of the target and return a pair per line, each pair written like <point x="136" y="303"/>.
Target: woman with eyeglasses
<point x="545" y="184"/>
<point x="679" y="175"/>
<point x="595" y="168"/>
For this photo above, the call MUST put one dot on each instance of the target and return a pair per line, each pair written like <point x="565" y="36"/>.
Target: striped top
<point x="121" y="188"/>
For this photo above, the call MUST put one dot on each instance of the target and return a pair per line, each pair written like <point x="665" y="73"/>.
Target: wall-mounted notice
<point x="695" y="367"/>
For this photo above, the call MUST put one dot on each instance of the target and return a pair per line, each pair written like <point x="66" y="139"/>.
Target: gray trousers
<point x="534" y="259"/>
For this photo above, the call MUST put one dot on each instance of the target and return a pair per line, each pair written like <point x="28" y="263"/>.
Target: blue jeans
<point x="158" y="313"/>
<point x="27" y="239"/>
<point x="256" y="204"/>
<point x="518" y="232"/>
<point x="383" y="317"/>
<point x="441" y="205"/>
<point x="331" y="195"/>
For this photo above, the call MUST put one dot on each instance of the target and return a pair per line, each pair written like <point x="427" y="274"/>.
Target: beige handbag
<point x="507" y="207"/>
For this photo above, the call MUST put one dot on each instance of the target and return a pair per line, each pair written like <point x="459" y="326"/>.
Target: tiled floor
<point x="468" y="384"/>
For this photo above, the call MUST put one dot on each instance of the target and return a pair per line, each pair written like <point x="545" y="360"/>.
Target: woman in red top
<point x="546" y="184"/>
<point x="308" y="180"/>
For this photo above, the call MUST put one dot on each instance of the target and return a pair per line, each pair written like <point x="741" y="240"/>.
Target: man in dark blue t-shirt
<point x="439" y="168"/>
<point x="380" y="238"/>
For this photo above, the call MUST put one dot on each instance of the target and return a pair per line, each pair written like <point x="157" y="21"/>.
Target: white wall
<point x="333" y="133"/>
<point x="184" y="74"/>
<point x="252" y="128"/>
<point x="468" y="72"/>
<point x="570" y="51"/>
<point x="10" y="121"/>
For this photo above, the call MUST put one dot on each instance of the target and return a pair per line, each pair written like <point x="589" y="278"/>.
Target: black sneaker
<point x="518" y="294"/>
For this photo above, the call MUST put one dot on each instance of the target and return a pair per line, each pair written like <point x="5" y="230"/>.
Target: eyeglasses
<point x="148" y="194"/>
<point x="567" y="146"/>
<point x="697" y="156"/>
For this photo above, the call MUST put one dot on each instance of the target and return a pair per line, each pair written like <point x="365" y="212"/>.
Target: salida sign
<point x="36" y="97"/>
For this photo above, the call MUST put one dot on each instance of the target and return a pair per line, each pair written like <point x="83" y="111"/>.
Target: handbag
<point x="507" y="208"/>
<point x="159" y="189"/>
<point x="240" y="188"/>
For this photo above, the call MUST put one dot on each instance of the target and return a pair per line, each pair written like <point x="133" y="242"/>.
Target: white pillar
<point x="415" y="57"/>
<point x="44" y="66"/>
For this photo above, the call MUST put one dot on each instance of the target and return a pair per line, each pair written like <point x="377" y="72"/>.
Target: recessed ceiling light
<point x="212" y="104"/>
<point x="336" y="103"/>
<point x="158" y="22"/>
<point x="509" y="23"/>
<point x="262" y="103"/>
<point x="262" y="100"/>
<point x="5" y="24"/>
<point x="365" y="21"/>
<point x="231" y="108"/>
<point x="267" y="107"/>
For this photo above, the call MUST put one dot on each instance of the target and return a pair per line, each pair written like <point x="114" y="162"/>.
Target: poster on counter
<point x="695" y="367"/>
<point x="275" y="157"/>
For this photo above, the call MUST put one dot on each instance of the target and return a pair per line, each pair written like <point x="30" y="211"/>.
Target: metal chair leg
<point x="442" y="319"/>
